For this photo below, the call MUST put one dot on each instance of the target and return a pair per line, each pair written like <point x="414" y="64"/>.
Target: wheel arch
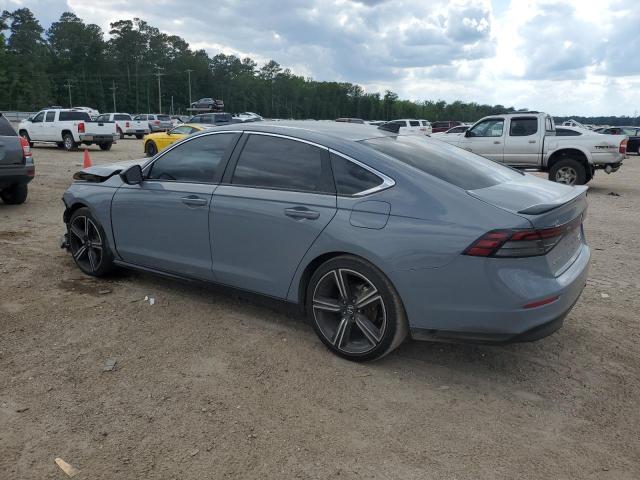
<point x="66" y="216"/>
<point x="568" y="152"/>
<point x="64" y="132"/>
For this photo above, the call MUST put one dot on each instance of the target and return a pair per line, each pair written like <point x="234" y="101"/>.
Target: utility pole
<point x="159" y="74"/>
<point x="113" y="93"/>
<point x="69" y="85"/>
<point x="189" y="74"/>
<point x="171" y="104"/>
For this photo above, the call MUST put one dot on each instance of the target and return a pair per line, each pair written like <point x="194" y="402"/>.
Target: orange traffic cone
<point x="86" y="161"/>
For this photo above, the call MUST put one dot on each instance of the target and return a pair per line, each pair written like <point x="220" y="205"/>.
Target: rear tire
<point x="69" y="143"/>
<point x="88" y="244"/>
<point x="569" y="172"/>
<point x="150" y="149"/>
<point x="355" y="310"/>
<point x="15" y="195"/>
<point x="106" y="146"/>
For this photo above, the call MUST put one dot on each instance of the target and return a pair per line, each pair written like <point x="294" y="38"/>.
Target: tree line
<point x="73" y="64"/>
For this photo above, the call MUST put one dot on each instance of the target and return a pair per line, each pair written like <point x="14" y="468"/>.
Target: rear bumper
<point x="98" y="138"/>
<point x="136" y="131"/>
<point x="472" y="300"/>
<point x="16" y="175"/>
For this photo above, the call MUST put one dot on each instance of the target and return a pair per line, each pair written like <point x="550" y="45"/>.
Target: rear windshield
<point x="66" y="116"/>
<point x="164" y="118"/>
<point x="6" y="130"/>
<point x="446" y="162"/>
<point x="121" y="116"/>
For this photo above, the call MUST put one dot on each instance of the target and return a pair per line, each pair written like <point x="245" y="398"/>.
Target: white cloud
<point x="562" y="56"/>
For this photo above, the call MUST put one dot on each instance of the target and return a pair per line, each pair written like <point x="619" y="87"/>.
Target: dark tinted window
<point x="446" y="162"/>
<point x="102" y="118"/>
<point x="273" y="162"/>
<point x="71" y="116"/>
<point x="440" y="124"/>
<point x="120" y="117"/>
<point x="51" y="116"/>
<point x="523" y="127"/>
<point x="565" y="132"/>
<point x="6" y="130"/>
<point x="193" y="161"/>
<point x="164" y="118"/>
<point x="351" y="178"/>
<point x="39" y="117"/>
<point x="414" y="123"/>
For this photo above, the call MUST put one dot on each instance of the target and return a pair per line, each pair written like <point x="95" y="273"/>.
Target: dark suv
<point x="16" y="164"/>
<point x="212" y="118"/>
<point x="208" y="104"/>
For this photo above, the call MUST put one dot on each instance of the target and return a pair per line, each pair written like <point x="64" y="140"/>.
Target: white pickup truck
<point x="528" y="140"/>
<point x="67" y="128"/>
<point x="125" y="124"/>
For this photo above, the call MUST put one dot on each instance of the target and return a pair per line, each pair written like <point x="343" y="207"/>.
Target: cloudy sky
<point x="561" y="56"/>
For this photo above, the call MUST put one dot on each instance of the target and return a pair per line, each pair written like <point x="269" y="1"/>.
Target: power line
<point x="159" y="74"/>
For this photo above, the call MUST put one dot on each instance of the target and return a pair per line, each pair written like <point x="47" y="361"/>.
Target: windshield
<point x="446" y="162"/>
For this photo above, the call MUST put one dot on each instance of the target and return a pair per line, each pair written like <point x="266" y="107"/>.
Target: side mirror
<point x="132" y="175"/>
<point x="30" y="118"/>
<point x="468" y="133"/>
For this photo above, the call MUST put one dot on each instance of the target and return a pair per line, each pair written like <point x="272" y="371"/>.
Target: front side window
<point x="51" y="116"/>
<point x="489" y="128"/>
<point x="197" y="160"/>
<point x="280" y="163"/>
<point x="351" y="178"/>
<point x="38" y="118"/>
<point x="523" y="127"/>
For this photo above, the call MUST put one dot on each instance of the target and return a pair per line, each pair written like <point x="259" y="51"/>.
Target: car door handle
<point x="532" y="141"/>
<point x="301" y="212"/>
<point x="496" y="142"/>
<point x="194" y="201"/>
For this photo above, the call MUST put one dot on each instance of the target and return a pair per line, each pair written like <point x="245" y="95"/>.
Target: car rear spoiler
<point x="546" y="207"/>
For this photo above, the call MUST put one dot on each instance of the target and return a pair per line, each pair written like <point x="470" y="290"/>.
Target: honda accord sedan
<point x="377" y="236"/>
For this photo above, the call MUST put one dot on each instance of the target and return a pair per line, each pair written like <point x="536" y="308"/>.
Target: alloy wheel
<point x="349" y="311"/>
<point x="566" y="175"/>
<point x="86" y="243"/>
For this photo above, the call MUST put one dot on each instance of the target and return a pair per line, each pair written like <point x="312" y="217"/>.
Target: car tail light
<point x="81" y="127"/>
<point x="623" y="147"/>
<point x="126" y="124"/>
<point x="26" y="148"/>
<point x="156" y="122"/>
<point x="520" y="243"/>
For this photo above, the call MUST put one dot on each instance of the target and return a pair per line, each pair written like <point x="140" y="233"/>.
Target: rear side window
<point x="414" y="123"/>
<point x="120" y="117"/>
<point x="446" y="162"/>
<point x="351" y="178"/>
<point x="197" y="160"/>
<point x="72" y="116"/>
<point x="523" y="127"/>
<point x="51" y="116"/>
<point x="280" y="163"/>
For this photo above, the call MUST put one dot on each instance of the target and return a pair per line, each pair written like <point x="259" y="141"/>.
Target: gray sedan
<point x="375" y="235"/>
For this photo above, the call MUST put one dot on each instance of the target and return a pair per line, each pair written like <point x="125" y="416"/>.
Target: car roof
<point x="324" y="132"/>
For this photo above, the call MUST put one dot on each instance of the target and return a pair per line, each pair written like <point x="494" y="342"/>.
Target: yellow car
<point x="155" y="142"/>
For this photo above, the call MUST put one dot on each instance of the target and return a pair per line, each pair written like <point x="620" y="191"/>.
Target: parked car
<point x="208" y="104"/>
<point x="377" y="123"/>
<point x="93" y="113"/>
<point x="16" y="165"/>
<point x="404" y="126"/>
<point x="213" y="119"/>
<point x="455" y="131"/>
<point x="68" y="128"/>
<point x="156" y="142"/>
<point x="633" y="133"/>
<point x="529" y="141"/>
<point x="125" y="125"/>
<point x="156" y="122"/>
<point x="444" y="126"/>
<point x="248" y="117"/>
<point x="349" y="120"/>
<point x="385" y="234"/>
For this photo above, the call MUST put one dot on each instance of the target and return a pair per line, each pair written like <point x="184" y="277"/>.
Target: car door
<point x="163" y="223"/>
<point x="276" y="198"/>
<point x="522" y="146"/>
<point x="36" y="129"/>
<point x="49" y="129"/>
<point x="486" y="138"/>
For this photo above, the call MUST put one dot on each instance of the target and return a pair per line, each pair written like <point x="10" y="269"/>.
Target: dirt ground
<point x="213" y="384"/>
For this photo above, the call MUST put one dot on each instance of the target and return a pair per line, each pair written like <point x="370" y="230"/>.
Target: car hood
<point x="100" y="173"/>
